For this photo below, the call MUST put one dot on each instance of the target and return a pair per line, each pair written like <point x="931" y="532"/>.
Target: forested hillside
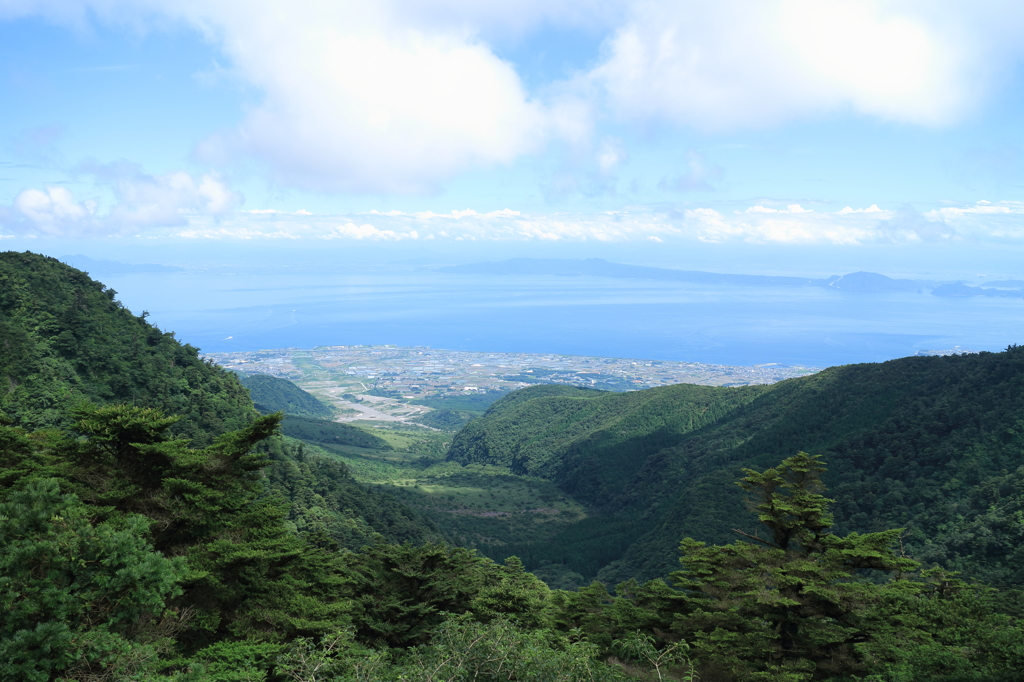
<point x="68" y="342"/>
<point x="933" y="444"/>
<point x="66" y="338"/>
<point x="137" y="543"/>
<point x="273" y="394"/>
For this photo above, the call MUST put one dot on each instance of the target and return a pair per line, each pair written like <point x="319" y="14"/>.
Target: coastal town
<point x="418" y="372"/>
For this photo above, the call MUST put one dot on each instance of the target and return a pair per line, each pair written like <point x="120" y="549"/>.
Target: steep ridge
<point x="569" y="429"/>
<point x="306" y="418"/>
<point x="932" y="444"/>
<point x="65" y="339"/>
<point x="271" y="394"/>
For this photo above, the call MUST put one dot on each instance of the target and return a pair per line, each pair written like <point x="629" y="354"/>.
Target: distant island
<point x="861" y="282"/>
<point x="113" y="267"/>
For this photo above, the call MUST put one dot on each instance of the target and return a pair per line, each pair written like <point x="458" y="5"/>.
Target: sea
<point x="220" y="311"/>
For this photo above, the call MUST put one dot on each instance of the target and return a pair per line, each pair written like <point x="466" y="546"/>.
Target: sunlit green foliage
<point x="137" y="542"/>
<point x="796" y="603"/>
<point x="931" y="444"/>
<point x="801" y="603"/>
<point x="274" y="394"/>
<point x="64" y="338"/>
<point x="330" y="433"/>
<point x="79" y="598"/>
<point x="446" y="420"/>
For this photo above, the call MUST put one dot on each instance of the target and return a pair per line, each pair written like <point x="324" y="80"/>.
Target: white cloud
<point x="391" y="96"/>
<point x="979" y="223"/>
<point x="53" y="211"/>
<point x="160" y="200"/>
<point x="236" y="232"/>
<point x="142" y="202"/>
<point x="791" y="208"/>
<point x="56" y="212"/>
<point x="760" y="225"/>
<point x="980" y="208"/>
<point x="357" y="97"/>
<point x="793" y="226"/>
<point x="736" y="63"/>
<point x="273" y="211"/>
<point x="367" y="231"/>
<point x="459" y="225"/>
<point x="399" y="96"/>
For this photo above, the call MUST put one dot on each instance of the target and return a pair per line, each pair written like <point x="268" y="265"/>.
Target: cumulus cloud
<point x="358" y="98"/>
<point x="907" y="225"/>
<point x="392" y="96"/>
<point x="53" y="211"/>
<point x="980" y="208"/>
<point x="736" y="63"/>
<point x="779" y="227"/>
<point x="142" y="202"/>
<point x="398" y="96"/>
<point x="161" y="200"/>
<point x="998" y="222"/>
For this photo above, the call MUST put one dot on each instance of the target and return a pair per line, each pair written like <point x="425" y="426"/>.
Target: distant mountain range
<point x="598" y="267"/>
<point x="113" y="267"/>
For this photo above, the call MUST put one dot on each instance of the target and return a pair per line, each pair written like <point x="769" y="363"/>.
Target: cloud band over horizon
<point x="978" y="224"/>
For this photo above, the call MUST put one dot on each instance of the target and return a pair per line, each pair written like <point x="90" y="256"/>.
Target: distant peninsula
<point x="113" y="267"/>
<point x="861" y="282"/>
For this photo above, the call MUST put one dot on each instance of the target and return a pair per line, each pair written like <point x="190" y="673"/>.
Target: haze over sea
<point x="221" y="311"/>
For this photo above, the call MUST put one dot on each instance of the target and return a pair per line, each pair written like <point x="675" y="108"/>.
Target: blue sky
<point x="769" y="135"/>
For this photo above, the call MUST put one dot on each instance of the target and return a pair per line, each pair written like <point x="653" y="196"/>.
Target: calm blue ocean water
<point x="579" y="316"/>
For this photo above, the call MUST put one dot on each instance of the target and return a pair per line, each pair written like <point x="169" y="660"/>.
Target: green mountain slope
<point x="272" y="394"/>
<point x="65" y="338"/>
<point x="324" y="432"/>
<point x="933" y="444"/>
<point x="129" y="552"/>
<point x="561" y="432"/>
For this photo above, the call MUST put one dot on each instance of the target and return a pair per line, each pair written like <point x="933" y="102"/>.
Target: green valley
<point x="926" y="443"/>
<point x="160" y="522"/>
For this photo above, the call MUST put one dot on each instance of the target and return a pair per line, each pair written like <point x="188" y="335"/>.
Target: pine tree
<point x="798" y="604"/>
<point x="78" y="599"/>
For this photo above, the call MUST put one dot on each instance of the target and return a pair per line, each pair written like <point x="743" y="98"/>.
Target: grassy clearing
<point x="478" y="506"/>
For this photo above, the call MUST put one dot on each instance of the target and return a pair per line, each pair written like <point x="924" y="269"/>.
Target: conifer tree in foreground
<point x="805" y="604"/>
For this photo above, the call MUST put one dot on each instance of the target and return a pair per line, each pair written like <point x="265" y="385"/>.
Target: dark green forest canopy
<point x="136" y="543"/>
<point x="273" y="394"/>
<point x="933" y="444"/>
<point x="65" y="338"/>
